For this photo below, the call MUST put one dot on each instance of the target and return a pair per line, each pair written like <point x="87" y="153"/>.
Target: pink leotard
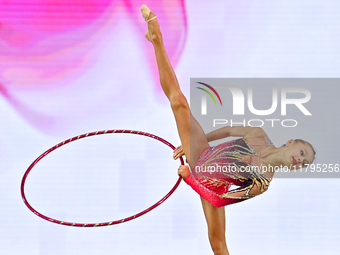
<point x="230" y="163"/>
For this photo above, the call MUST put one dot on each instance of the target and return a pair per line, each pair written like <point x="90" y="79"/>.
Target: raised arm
<point x="223" y="133"/>
<point x="234" y="131"/>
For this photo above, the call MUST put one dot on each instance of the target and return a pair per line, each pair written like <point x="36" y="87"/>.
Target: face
<point x="298" y="154"/>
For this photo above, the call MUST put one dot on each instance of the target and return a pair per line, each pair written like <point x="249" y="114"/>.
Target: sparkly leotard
<point x="232" y="163"/>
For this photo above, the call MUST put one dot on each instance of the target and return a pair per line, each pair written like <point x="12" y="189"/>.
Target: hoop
<point x="104" y="223"/>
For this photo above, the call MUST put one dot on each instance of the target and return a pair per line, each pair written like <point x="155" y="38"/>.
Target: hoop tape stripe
<point x="113" y="131"/>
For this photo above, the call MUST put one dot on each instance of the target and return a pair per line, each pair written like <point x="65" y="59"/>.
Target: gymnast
<point x="239" y="162"/>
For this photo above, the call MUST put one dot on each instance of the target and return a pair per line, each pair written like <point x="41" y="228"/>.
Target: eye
<point x="302" y="153"/>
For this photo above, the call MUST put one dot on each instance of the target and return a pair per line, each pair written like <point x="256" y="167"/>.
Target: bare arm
<point x="223" y="133"/>
<point x="234" y="131"/>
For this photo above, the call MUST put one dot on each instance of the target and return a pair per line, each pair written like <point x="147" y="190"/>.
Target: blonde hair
<point x="305" y="142"/>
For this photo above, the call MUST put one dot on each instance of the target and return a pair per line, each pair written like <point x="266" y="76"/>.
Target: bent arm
<point x="233" y="131"/>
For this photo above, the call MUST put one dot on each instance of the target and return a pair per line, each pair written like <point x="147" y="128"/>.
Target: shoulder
<point x="254" y="132"/>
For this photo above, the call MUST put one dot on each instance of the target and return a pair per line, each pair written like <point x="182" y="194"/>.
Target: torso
<point x="260" y="144"/>
<point x="232" y="158"/>
<point x="236" y="155"/>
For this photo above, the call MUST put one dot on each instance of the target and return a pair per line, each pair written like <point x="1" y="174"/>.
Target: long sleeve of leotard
<point x="219" y="199"/>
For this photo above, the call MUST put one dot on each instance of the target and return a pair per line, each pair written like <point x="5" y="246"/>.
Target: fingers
<point x="178" y="149"/>
<point x="177" y="155"/>
<point x="178" y="152"/>
<point x="183" y="171"/>
<point x="180" y="170"/>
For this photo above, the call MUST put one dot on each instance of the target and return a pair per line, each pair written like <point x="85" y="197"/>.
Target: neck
<point x="273" y="156"/>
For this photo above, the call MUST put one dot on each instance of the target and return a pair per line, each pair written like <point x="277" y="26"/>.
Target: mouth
<point x="294" y="161"/>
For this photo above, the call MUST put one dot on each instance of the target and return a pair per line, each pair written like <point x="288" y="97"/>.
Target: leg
<point x="216" y="227"/>
<point x="198" y="140"/>
<point x="179" y="104"/>
<point x="187" y="125"/>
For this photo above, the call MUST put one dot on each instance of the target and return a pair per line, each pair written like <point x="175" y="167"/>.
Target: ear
<point x="291" y="141"/>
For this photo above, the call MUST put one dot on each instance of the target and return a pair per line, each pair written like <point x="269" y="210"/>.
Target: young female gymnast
<point x="214" y="169"/>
